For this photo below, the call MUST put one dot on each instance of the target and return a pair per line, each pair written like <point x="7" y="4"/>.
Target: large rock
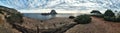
<point x="53" y="12"/>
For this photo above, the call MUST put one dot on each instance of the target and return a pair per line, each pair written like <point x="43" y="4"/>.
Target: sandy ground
<point x="98" y="25"/>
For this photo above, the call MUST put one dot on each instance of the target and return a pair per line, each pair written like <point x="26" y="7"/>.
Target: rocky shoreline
<point x="56" y="25"/>
<point x="14" y="22"/>
<point x="29" y="27"/>
<point x="36" y="26"/>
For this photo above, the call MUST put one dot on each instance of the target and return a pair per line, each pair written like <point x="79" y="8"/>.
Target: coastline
<point x="55" y="25"/>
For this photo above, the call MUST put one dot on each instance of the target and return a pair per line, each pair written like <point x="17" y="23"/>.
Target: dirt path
<point x="98" y="25"/>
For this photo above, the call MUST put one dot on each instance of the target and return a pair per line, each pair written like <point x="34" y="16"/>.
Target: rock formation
<point x="53" y="12"/>
<point x="9" y="16"/>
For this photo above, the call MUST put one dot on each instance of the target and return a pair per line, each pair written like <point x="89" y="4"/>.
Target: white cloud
<point x="62" y="4"/>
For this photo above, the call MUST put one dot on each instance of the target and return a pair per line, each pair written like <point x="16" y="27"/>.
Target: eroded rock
<point x="9" y="16"/>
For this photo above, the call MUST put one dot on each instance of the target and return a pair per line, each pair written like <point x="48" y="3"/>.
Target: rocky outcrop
<point x="53" y="12"/>
<point x="9" y="16"/>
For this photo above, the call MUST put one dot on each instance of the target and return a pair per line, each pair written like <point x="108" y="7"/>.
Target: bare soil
<point x="98" y="25"/>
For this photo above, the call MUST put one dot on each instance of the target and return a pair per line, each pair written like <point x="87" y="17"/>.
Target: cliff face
<point x="9" y="16"/>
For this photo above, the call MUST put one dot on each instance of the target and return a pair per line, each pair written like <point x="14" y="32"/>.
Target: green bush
<point x="101" y="16"/>
<point x="15" y="18"/>
<point x="107" y="18"/>
<point x="71" y="17"/>
<point x="96" y="11"/>
<point x="113" y="19"/>
<point x="83" y="19"/>
<point x="109" y="13"/>
<point x="110" y="16"/>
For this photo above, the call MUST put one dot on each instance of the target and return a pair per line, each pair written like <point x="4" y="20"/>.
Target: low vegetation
<point x="71" y="17"/>
<point x="113" y="19"/>
<point x="96" y="13"/>
<point x="83" y="19"/>
<point x="109" y="15"/>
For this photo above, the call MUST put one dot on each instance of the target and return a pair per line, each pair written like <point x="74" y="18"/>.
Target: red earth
<point x="98" y="25"/>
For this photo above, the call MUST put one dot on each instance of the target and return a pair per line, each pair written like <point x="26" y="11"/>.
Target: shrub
<point x="83" y="19"/>
<point x="96" y="11"/>
<point x="101" y="16"/>
<point x="71" y="17"/>
<point x="107" y="18"/>
<point x="110" y="16"/>
<point x="109" y="13"/>
<point x="113" y="19"/>
<point x="15" y="18"/>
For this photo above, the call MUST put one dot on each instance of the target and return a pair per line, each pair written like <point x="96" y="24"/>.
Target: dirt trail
<point x="98" y="25"/>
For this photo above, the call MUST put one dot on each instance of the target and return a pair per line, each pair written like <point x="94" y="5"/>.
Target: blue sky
<point x="62" y="4"/>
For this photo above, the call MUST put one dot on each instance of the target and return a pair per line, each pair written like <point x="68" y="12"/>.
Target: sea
<point x="39" y="16"/>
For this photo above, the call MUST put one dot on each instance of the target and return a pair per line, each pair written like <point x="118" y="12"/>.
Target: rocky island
<point x="53" y="12"/>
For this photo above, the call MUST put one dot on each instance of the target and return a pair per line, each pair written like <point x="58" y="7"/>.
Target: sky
<point x="61" y="5"/>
